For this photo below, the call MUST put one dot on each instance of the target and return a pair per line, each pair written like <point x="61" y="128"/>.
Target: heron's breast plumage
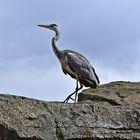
<point x="66" y="68"/>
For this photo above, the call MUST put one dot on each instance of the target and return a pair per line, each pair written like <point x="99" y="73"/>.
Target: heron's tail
<point x="98" y="81"/>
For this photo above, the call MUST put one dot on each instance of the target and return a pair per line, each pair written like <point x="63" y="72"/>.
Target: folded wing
<point x="81" y="66"/>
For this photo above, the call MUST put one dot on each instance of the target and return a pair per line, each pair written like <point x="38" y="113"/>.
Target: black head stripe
<point x="53" y="25"/>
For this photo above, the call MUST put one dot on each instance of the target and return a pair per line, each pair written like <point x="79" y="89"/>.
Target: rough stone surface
<point x="115" y="93"/>
<point x="112" y="111"/>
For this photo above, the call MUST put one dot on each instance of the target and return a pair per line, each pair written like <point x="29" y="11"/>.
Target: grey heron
<point x="74" y="64"/>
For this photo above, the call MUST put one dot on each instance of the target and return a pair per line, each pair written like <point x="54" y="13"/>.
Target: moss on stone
<point x="59" y="133"/>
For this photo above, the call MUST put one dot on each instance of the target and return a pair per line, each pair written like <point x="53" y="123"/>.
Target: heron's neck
<point x="57" y="35"/>
<point x="56" y="50"/>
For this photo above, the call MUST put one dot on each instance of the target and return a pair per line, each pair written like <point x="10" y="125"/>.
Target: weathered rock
<point x="113" y="114"/>
<point x="115" y="93"/>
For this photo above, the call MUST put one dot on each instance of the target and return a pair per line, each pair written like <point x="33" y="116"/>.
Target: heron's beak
<point x="44" y="26"/>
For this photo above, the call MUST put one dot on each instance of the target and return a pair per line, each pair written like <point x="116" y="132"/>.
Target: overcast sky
<point x="107" y="32"/>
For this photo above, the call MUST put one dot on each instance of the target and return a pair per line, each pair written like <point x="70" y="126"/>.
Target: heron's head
<point x="53" y="27"/>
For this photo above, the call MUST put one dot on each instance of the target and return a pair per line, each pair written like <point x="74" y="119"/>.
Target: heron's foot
<point x="67" y="99"/>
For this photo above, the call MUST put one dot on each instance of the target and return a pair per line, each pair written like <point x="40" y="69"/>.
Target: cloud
<point x="106" y="32"/>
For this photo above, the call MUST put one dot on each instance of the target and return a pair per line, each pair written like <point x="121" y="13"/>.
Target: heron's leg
<point x="69" y="97"/>
<point x="81" y="86"/>
<point x="76" y="91"/>
<point x="77" y="88"/>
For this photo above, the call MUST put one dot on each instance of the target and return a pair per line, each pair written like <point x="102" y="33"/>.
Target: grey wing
<point x="81" y="66"/>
